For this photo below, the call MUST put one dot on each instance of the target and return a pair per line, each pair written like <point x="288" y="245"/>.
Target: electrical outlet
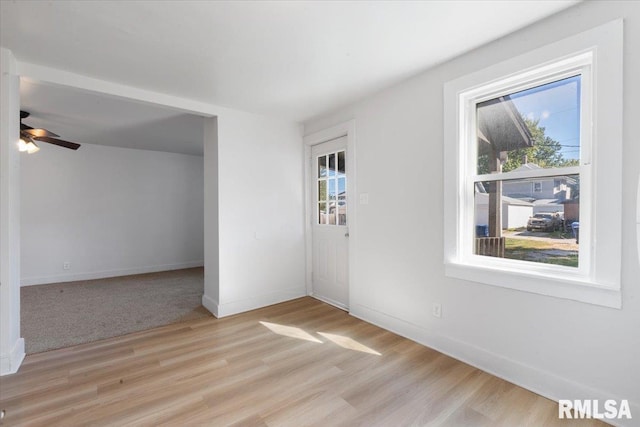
<point x="437" y="309"/>
<point x="66" y="265"/>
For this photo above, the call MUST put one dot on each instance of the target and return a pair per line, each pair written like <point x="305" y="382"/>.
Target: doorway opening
<point x="111" y="234"/>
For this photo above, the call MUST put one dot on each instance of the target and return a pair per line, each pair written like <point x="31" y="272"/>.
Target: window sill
<point x="572" y="289"/>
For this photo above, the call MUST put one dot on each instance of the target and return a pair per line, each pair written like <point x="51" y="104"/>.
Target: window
<point x="537" y="187"/>
<point x="524" y="134"/>
<point x="332" y="189"/>
<point x="527" y="149"/>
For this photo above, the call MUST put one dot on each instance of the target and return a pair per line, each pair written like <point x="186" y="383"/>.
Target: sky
<point x="557" y="106"/>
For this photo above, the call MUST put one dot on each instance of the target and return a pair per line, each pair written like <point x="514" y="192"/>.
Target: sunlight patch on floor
<point x="348" y="343"/>
<point x="290" y="331"/>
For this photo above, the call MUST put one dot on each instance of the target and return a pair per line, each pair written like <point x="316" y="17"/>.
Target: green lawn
<point x="539" y="251"/>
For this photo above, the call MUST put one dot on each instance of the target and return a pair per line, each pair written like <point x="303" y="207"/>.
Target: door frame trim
<point x="347" y="129"/>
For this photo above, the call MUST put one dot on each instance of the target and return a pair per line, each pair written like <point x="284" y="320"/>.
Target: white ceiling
<point x="291" y="59"/>
<point x="90" y="118"/>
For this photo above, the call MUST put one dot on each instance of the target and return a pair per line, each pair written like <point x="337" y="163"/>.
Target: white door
<point x="330" y="232"/>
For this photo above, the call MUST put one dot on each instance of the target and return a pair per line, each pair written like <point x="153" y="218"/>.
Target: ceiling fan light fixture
<point x="22" y="145"/>
<point x="32" y="147"/>
<point x="27" y="144"/>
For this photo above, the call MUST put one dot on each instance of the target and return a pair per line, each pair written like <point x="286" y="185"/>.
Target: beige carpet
<point x="65" y="314"/>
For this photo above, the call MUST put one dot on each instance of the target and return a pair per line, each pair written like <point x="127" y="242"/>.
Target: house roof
<point x="526" y="167"/>
<point x="483" y="199"/>
<point x="540" y="202"/>
<point x="532" y="166"/>
<point x="501" y="127"/>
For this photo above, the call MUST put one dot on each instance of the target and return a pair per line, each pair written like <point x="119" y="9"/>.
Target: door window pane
<point x="322" y="213"/>
<point x="332" y="164"/>
<point x="341" y="164"/>
<point x="332" y="189"/>
<point x="322" y="166"/>
<point x="332" y="213"/>
<point x="342" y="210"/>
<point x="322" y="190"/>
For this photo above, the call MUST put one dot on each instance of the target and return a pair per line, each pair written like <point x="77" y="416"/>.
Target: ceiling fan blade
<point x="60" y="142"/>
<point x="37" y="133"/>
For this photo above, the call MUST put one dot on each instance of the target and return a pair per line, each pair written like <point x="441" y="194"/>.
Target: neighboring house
<point x="548" y="205"/>
<point x="557" y="188"/>
<point x="515" y="212"/>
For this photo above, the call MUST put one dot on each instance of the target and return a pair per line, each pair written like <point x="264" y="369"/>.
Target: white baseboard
<point x="10" y="362"/>
<point x="30" y="281"/>
<point x="210" y="304"/>
<point x="259" y="301"/>
<point x="531" y="378"/>
<point x="329" y="301"/>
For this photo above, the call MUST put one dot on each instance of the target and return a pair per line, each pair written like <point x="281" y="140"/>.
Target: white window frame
<point x="580" y="64"/>
<point x="597" y="56"/>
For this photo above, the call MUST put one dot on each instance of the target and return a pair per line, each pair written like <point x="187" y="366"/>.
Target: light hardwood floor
<point x="298" y="363"/>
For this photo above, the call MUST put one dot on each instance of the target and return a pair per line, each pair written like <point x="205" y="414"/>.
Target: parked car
<point x="544" y="221"/>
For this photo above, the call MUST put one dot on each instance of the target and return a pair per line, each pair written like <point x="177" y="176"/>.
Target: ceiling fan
<point x="29" y="136"/>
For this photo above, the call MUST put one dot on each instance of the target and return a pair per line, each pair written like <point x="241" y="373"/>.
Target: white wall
<point x="109" y="211"/>
<point x="11" y="345"/>
<point x="560" y="348"/>
<point x="211" y="224"/>
<point x="260" y="208"/>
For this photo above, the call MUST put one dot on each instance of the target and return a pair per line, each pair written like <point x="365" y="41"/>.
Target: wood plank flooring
<point x="293" y="364"/>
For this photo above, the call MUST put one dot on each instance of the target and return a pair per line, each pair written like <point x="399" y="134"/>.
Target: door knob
<point x="346" y="234"/>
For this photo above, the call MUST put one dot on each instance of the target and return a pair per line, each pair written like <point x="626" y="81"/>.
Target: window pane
<point x="332" y="213"/>
<point x="322" y="166"/>
<point x="531" y="129"/>
<point x="332" y="165"/>
<point x="342" y="210"/>
<point x="513" y="220"/>
<point x="322" y="213"/>
<point x="332" y="189"/>
<point x="342" y="186"/>
<point x="341" y="164"/>
<point x="322" y="190"/>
